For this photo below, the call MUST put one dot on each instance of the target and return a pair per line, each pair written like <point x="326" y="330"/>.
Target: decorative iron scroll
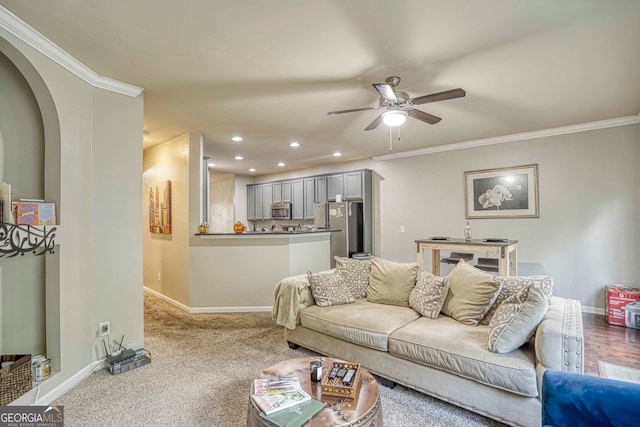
<point x="20" y="239"/>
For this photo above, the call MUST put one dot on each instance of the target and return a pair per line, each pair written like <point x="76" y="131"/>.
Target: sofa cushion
<point x="329" y="289"/>
<point x="356" y="273"/>
<point x="391" y="282"/>
<point x="460" y="349"/>
<point x="362" y="323"/>
<point x="428" y="296"/>
<point x="510" y="285"/>
<point x="471" y="293"/>
<point x="517" y="318"/>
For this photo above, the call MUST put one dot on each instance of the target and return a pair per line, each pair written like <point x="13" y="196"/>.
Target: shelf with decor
<point x="19" y="239"/>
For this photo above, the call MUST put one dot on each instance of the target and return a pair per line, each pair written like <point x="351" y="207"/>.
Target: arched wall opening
<point x="30" y="147"/>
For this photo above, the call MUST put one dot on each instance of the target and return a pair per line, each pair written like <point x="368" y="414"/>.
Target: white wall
<point x="168" y="254"/>
<point x="587" y="234"/>
<point x="22" y="279"/>
<point x="222" y="203"/>
<point x="98" y="262"/>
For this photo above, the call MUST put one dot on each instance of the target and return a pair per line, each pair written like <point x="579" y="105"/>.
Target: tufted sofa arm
<point x="559" y="340"/>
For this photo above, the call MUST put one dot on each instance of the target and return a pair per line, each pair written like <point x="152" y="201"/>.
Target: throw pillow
<point x="329" y="289"/>
<point x="517" y="318"/>
<point x="471" y="293"/>
<point x="428" y="296"/>
<point x="511" y="285"/>
<point x="391" y="282"/>
<point x="356" y="273"/>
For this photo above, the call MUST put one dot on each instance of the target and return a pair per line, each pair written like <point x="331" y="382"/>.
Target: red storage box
<point x="623" y="306"/>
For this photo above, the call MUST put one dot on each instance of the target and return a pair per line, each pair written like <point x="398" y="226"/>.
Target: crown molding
<point x="545" y="133"/>
<point x="33" y="38"/>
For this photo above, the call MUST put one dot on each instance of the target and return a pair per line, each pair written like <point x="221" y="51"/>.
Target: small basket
<point x="15" y="379"/>
<point x="335" y="387"/>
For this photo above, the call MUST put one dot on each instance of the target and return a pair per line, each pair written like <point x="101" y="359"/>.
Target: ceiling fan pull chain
<point x="390" y="139"/>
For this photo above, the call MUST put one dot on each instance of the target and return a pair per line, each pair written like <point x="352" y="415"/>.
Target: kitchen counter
<point x="267" y="233"/>
<point x="238" y="271"/>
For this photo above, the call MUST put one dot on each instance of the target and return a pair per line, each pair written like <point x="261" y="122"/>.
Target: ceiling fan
<point x="399" y="105"/>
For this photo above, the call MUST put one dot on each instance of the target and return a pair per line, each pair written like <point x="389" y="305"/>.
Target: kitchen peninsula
<point x="238" y="271"/>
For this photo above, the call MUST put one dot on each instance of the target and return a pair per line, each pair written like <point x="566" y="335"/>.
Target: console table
<point x="507" y="252"/>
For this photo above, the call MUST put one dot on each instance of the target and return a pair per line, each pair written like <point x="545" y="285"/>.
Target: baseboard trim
<point x="593" y="310"/>
<point x="68" y="384"/>
<point x="252" y="309"/>
<point x="178" y="304"/>
<point x="200" y="310"/>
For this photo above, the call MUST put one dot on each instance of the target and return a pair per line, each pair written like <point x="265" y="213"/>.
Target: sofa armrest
<point x="582" y="400"/>
<point x="559" y="340"/>
<point x="292" y="295"/>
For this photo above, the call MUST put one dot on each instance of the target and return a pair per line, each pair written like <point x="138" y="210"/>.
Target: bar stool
<point x="488" y="264"/>
<point x="361" y="255"/>
<point x="455" y="257"/>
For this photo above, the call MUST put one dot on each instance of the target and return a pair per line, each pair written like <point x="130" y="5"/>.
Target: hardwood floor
<point x="614" y="344"/>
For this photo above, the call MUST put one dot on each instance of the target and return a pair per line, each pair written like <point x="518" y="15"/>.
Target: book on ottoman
<point x="296" y="416"/>
<point x="274" y="402"/>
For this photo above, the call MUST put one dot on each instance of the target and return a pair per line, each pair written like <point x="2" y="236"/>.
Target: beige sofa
<point x="440" y="357"/>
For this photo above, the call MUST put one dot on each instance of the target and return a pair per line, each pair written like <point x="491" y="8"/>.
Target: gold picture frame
<point x="510" y="192"/>
<point x="160" y="208"/>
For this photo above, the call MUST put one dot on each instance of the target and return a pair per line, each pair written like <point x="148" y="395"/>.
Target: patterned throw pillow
<point x="516" y="319"/>
<point x="428" y="296"/>
<point x="356" y="273"/>
<point x="512" y="285"/>
<point x="471" y="294"/>
<point x="329" y="289"/>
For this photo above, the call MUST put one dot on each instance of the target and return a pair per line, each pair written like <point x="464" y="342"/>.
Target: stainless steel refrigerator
<point x="348" y="217"/>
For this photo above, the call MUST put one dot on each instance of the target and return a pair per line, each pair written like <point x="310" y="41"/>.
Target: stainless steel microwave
<point x="281" y="211"/>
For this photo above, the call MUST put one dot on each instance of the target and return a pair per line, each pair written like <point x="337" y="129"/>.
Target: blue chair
<point x="575" y="400"/>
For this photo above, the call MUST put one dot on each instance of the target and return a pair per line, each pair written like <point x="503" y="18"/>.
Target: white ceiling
<point x="271" y="70"/>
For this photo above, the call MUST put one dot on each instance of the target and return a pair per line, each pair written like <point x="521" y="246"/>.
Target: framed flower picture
<point x="502" y="193"/>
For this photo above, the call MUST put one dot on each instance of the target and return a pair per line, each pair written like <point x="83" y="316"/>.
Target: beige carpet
<point x="618" y="372"/>
<point x="201" y="372"/>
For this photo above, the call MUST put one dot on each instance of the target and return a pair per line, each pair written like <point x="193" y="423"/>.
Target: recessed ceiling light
<point x="212" y="165"/>
<point x="239" y="157"/>
<point x="252" y="170"/>
<point x="294" y="144"/>
<point x="281" y="164"/>
<point x="337" y="154"/>
<point x="236" y="138"/>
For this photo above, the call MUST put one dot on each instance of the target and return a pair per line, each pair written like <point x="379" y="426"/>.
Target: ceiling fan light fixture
<point x="394" y="117"/>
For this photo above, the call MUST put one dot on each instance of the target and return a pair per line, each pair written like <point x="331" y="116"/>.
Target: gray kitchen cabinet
<point x="335" y="185"/>
<point x="258" y="202"/>
<point x="321" y="189"/>
<point x="353" y="185"/>
<point x="286" y="191"/>
<point x="251" y="202"/>
<point x="309" y="197"/>
<point x="297" y="199"/>
<point x="267" y="200"/>
<point x="277" y="192"/>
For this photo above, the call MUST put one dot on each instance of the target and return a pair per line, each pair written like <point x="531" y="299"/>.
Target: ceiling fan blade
<point x="353" y="110"/>
<point x="440" y="96"/>
<point x="425" y="117"/>
<point x="374" y="124"/>
<point x="386" y="91"/>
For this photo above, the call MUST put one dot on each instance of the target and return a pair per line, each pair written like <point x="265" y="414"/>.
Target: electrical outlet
<point x="104" y="328"/>
<point x="159" y="277"/>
